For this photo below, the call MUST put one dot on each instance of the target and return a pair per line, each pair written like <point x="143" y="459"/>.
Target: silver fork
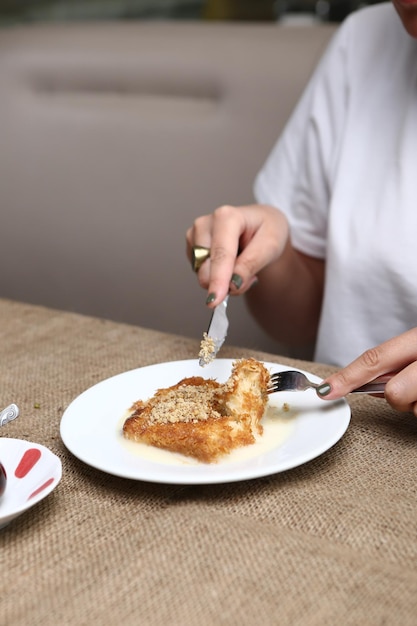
<point x="292" y="380"/>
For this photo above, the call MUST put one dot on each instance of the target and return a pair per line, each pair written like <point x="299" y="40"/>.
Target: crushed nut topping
<point x="187" y="403"/>
<point x="207" y="348"/>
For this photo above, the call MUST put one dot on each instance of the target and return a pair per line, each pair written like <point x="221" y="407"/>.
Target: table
<point x="331" y="542"/>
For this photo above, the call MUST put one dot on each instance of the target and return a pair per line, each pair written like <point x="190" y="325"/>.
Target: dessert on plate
<point x="203" y="418"/>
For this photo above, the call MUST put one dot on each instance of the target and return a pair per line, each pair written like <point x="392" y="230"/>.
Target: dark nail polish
<point x="324" y="389"/>
<point x="211" y="298"/>
<point x="237" y="281"/>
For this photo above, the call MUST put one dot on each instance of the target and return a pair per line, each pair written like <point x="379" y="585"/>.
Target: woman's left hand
<point x="397" y="355"/>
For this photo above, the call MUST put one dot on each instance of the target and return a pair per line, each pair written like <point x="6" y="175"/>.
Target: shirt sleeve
<point x="297" y="176"/>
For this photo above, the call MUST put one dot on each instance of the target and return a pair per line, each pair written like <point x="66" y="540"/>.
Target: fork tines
<point x="274" y="383"/>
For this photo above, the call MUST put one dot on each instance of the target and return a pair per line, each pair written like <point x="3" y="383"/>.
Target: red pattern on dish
<point x="27" y="462"/>
<point x="41" y="488"/>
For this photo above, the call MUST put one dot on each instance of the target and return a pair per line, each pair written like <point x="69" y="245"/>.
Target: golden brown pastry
<point x="202" y="418"/>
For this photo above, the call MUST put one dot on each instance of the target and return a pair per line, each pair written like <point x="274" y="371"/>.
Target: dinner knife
<point x="216" y="334"/>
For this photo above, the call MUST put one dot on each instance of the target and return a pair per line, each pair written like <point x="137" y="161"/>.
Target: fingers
<point x="221" y="232"/>
<point x="397" y="355"/>
<point x="199" y="234"/>
<point x="242" y="240"/>
<point x="229" y="224"/>
<point x="401" y="390"/>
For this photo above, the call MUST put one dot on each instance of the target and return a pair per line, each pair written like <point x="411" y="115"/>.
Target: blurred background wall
<point x="119" y="116"/>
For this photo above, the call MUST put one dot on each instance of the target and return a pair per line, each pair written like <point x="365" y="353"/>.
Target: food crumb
<point x="207" y="349"/>
<point x="36" y="405"/>
<point x="286" y="407"/>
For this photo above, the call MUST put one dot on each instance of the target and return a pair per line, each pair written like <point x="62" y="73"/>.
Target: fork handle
<point x="376" y="386"/>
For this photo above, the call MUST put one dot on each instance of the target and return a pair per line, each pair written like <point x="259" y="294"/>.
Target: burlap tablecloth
<point x="331" y="542"/>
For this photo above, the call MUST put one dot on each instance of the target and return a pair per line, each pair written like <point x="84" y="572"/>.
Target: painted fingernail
<point x="324" y="389"/>
<point x="211" y="298"/>
<point x="237" y="281"/>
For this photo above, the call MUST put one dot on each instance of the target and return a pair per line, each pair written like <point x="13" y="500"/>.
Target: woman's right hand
<point x="242" y="241"/>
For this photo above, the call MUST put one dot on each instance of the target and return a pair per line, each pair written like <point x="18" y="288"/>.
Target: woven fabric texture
<point x="333" y="541"/>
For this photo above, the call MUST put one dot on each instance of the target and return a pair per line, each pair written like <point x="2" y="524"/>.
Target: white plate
<point x="32" y="471"/>
<point x="91" y="428"/>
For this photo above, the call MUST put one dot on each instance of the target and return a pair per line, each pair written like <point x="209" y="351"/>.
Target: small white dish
<point x="33" y="471"/>
<point x="91" y="427"/>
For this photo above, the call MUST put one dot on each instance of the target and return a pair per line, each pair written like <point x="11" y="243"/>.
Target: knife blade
<point x="214" y="338"/>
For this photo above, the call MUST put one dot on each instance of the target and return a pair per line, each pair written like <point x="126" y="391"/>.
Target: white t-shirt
<point x="345" y="173"/>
